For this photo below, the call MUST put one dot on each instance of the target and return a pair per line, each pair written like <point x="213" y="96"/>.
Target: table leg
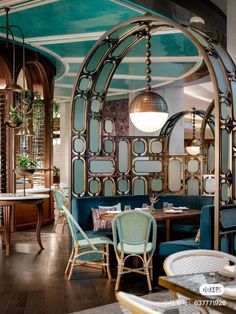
<point x="167" y="229"/>
<point x="39" y="223"/>
<point x="7" y="226"/>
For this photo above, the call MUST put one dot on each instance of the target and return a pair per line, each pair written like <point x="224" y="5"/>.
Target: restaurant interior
<point x="118" y="156"/>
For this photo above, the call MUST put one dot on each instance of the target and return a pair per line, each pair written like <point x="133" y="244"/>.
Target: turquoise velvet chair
<point x="84" y="246"/>
<point x="132" y="231"/>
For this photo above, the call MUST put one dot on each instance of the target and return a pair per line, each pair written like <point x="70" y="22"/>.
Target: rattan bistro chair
<point x="196" y="261"/>
<point x="130" y="303"/>
<point x="84" y="246"/>
<point x="131" y="231"/>
<point x="59" y="199"/>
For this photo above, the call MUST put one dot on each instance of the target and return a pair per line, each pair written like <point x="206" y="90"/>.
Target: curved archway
<point x="40" y="118"/>
<point x="7" y="145"/>
<point x="168" y="127"/>
<point x="96" y="73"/>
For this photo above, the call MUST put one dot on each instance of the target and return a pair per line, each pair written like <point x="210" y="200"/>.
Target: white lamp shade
<point x="194" y="147"/>
<point x="193" y="150"/>
<point x="148" y="121"/>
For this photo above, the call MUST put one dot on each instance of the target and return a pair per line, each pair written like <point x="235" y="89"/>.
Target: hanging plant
<point x="25" y="166"/>
<point x="15" y="118"/>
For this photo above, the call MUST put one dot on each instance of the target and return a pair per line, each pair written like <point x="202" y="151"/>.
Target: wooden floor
<point x="33" y="281"/>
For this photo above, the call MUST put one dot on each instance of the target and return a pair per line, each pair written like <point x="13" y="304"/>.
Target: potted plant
<point x="56" y="175"/>
<point x="15" y="118"/>
<point x="25" y="166"/>
<point x="56" y="115"/>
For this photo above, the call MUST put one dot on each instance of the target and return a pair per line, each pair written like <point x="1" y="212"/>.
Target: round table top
<point x="19" y="196"/>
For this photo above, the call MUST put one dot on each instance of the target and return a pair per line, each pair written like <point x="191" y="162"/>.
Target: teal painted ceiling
<point x="66" y="30"/>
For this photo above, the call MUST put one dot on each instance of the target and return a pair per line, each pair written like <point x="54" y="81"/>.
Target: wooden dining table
<point x="8" y="202"/>
<point x="166" y="217"/>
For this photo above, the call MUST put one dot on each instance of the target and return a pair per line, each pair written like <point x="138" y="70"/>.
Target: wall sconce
<point x="148" y="110"/>
<point x="193" y="148"/>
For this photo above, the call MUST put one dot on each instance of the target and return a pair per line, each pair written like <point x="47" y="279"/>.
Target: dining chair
<point x="84" y="246"/>
<point x="59" y="199"/>
<point x="131" y="231"/>
<point x="195" y="262"/>
<point x="64" y="188"/>
<point x="130" y="303"/>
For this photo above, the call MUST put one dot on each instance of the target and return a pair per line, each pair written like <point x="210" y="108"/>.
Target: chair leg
<point x="145" y="266"/>
<point x="120" y="268"/>
<point x="69" y="262"/>
<point x="151" y="269"/>
<point x="103" y="259"/>
<point x="56" y="218"/>
<point x="108" y="262"/>
<point x="73" y="262"/>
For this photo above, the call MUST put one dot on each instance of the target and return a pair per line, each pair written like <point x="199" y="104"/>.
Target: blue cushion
<point x="94" y="234"/>
<point x="167" y="248"/>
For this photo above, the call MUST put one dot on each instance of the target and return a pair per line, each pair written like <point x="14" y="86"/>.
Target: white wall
<point x="61" y="153"/>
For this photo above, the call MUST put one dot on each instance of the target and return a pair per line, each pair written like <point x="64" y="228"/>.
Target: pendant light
<point x="22" y="106"/>
<point x="148" y="110"/>
<point x="193" y="148"/>
<point x="12" y="87"/>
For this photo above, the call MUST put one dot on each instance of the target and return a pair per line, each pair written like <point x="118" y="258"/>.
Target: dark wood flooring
<point x="33" y="281"/>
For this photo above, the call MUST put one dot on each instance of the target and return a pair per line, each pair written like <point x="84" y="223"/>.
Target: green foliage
<point x="25" y="162"/>
<point x="14" y="113"/>
<point x="56" y="109"/>
<point x="56" y="171"/>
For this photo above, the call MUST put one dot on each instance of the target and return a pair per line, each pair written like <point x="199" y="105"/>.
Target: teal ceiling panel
<point x="74" y="49"/>
<point x="66" y="80"/>
<point x="74" y="67"/>
<point x="129" y="84"/>
<point x="66" y="30"/>
<point x="162" y="45"/>
<point x="61" y="91"/>
<point x="70" y="17"/>
<point x="170" y="69"/>
<point x="176" y="44"/>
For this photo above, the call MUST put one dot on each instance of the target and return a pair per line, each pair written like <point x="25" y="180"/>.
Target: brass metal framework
<point x="207" y="117"/>
<point x="95" y="76"/>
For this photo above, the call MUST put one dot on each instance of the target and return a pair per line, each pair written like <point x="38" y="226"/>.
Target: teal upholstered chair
<point x="131" y="237"/>
<point x="59" y="199"/>
<point x="84" y="246"/>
